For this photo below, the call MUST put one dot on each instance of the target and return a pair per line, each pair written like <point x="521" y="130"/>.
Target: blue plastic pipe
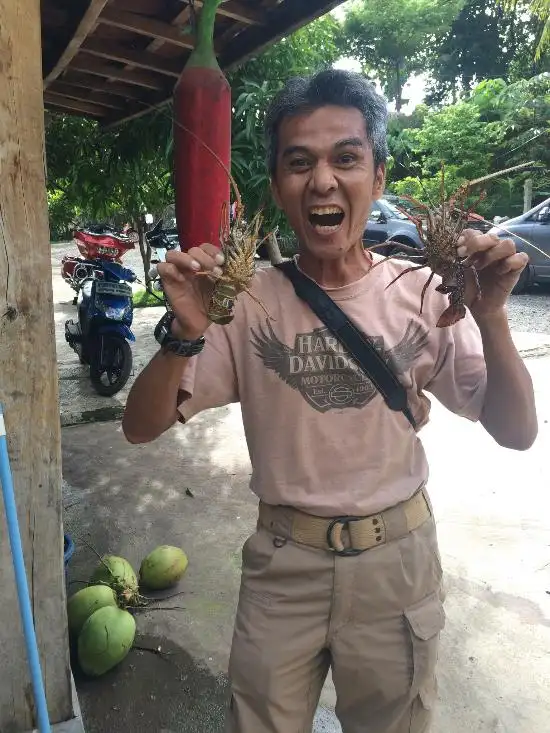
<point x="21" y="581"/>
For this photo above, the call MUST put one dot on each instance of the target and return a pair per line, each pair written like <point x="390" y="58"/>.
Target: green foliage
<point x="394" y="38"/>
<point x="499" y="125"/>
<point x="428" y="188"/>
<point x="115" y="175"/>
<point x="541" y="8"/>
<point x="486" y="41"/>
<point x="144" y="299"/>
<point x="457" y="136"/>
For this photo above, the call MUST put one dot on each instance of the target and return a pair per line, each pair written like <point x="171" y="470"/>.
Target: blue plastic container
<point x="69" y="548"/>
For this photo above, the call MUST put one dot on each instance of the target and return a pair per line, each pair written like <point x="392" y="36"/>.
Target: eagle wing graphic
<point x="275" y="354"/>
<point x="403" y="355"/>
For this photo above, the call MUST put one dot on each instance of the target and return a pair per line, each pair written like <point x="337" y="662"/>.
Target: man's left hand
<point x="498" y="266"/>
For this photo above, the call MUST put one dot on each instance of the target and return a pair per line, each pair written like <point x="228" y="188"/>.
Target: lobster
<point x="444" y="225"/>
<point x="239" y="245"/>
<point x="238" y="242"/>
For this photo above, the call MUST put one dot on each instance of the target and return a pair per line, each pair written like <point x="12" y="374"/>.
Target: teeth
<point x="321" y="210"/>
<point x="326" y="229"/>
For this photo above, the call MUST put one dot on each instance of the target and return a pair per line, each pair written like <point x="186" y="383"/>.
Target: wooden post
<point x="527" y="194"/>
<point x="28" y="380"/>
<point x="273" y="251"/>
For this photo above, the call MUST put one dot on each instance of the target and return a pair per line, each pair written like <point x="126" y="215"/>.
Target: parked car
<point x="533" y="226"/>
<point x="388" y="222"/>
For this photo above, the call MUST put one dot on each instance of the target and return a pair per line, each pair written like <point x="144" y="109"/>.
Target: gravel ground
<point x="528" y="313"/>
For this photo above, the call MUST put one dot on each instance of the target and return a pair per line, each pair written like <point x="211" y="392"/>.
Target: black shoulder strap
<point x="357" y="344"/>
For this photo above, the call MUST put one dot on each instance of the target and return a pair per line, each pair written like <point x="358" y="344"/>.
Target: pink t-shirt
<point x="320" y="436"/>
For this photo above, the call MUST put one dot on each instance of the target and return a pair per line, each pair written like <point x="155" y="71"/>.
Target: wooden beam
<point x="137" y="78"/>
<point x="180" y="19"/>
<point x="88" y="83"/>
<point x="88" y="106"/>
<point x="237" y="11"/>
<point x="139" y="59"/>
<point x="28" y="383"/>
<point x="87" y="24"/>
<point x="135" y="111"/>
<point x="280" y="22"/>
<point x="149" y="27"/>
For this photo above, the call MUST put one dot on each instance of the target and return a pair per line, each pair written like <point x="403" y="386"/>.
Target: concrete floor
<point x="492" y="507"/>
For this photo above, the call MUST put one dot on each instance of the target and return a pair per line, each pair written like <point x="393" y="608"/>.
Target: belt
<point x="347" y="535"/>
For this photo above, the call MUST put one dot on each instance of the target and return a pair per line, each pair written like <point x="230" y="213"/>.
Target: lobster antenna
<point x="500" y="173"/>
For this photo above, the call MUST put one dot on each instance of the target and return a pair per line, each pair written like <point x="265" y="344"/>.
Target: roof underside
<point x="114" y="60"/>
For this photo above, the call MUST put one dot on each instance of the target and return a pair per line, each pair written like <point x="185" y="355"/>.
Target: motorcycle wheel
<point x="110" y="378"/>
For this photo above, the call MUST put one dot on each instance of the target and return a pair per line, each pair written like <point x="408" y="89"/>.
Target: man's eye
<point x="346" y="159"/>
<point x="299" y="163"/>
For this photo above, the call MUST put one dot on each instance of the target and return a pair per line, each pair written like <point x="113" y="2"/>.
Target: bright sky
<point x="413" y="90"/>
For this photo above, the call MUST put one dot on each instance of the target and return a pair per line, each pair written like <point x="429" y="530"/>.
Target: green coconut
<point x="163" y="567"/>
<point x="85" y="602"/>
<point x="120" y="576"/>
<point x="105" y="640"/>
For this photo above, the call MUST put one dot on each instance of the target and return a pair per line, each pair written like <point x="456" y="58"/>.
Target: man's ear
<point x="379" y="182"/>
<point x="275" y="193"/>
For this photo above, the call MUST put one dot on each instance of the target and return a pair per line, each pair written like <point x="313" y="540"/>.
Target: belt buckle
<point x="345" y="522"/>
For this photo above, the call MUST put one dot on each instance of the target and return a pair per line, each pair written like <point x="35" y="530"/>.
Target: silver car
<point x="533" y="226"/>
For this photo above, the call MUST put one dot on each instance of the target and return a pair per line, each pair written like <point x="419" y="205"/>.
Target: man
<point x="322" y="441"/>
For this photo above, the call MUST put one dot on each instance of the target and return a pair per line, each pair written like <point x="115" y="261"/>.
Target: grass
<point x="144" y="299"/>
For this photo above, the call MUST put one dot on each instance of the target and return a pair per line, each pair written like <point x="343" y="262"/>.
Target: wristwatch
<point x="176" y="346"/>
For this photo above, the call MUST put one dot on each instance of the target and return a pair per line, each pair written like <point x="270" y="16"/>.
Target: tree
<point x="115" y="175"/>
<point x="541" y="8"/>
<point x="393" y="38"/>
<point x="487" y="40"/>
<point x="497" y="126"/>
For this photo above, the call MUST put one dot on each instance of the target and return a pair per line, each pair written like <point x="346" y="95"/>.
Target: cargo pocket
<point x="425" y="619"/>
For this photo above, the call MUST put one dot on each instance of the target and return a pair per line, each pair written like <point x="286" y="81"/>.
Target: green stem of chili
<point x="203" y="54"/>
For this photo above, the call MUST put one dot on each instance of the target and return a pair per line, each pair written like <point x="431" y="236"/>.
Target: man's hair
<point x="329" y="87"/>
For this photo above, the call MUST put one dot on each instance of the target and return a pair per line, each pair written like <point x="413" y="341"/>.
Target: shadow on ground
<point x="166" y="692"/>
<point x="187" y="489"/>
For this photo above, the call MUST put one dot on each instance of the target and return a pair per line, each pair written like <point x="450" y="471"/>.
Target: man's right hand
<point x="187" y="292"/>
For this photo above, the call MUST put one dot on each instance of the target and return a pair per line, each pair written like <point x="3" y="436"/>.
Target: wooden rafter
<point x="237" y="11"/>
<point x="96" y="97"/>
<point x="149" y="27"/>
<point x="84" y="27"/>
<point x="281" y="21"/>
<point x="95" y="84"/>
<point x="181" y="19"/>
<point x="139" y="59"/>
<point x="67" y="103"/>
<point x="137" y="78"/>
<point x="126" y="56"/>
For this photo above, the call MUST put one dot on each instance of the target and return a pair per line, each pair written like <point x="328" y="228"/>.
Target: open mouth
<point x="326" y="219"/>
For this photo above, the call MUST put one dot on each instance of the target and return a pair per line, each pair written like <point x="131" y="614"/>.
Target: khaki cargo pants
<point x="374" y="618"/>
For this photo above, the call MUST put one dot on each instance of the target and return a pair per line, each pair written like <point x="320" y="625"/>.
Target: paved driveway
<point x="493" y="512"/>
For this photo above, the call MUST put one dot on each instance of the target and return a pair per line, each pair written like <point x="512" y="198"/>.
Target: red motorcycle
<point x="100" y="242"/>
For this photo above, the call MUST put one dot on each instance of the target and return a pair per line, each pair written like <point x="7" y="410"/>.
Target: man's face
<point x="325" y="180"/>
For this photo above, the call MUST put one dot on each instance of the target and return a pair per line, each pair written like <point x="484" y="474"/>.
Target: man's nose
<point x="322" y="179"/>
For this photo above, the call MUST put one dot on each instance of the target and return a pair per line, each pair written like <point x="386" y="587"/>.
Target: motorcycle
<point x="101" y="334"/>
<point x="95" y="243"/>
<point x="161" y="239"/>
